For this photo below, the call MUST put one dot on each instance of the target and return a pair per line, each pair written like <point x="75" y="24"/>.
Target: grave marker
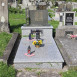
<point x="69" y="18"/>
<point x="39" y="17"/>
<point x="4" y="16"/>
<point x="42" y="44"/>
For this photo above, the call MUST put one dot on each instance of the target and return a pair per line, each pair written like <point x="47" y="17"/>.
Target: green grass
<point x="6" y="71"/>
<point x="75" y="23"/>
<point x="16" y="21"/>
<point x="54" y="23"/>
<point x="75" y="14"/>
<point x="70" y="73"/>
<point x="17" y="16"/>
<point x="31" y="69"/>
<point x="4" y="39"/>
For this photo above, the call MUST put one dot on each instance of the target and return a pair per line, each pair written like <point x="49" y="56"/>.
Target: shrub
<point x="75" y="10"/>
<point x="51" y="15"/>
<point x="16" y="10"/>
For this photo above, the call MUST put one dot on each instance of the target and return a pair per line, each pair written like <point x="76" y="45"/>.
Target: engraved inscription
<point x="38" y="16"/>
<point x="69" y="19"/>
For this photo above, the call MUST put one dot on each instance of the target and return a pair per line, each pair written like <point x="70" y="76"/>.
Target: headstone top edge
<point x="39" y="27"/>
<point x="64" y="27"/>
<point x="69" y="12"/>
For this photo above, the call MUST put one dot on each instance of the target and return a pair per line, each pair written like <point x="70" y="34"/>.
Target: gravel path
<point x="29" y="72"/>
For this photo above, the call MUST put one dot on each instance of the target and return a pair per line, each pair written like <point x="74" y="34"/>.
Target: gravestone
<point x="38" y="17"/>
<point x="74" y="4"/>
<point x="68" y="26"/>
<point x="68" y="7"/>
<point x="4" y="16"/>
<point x="47" y="55"/>
<point x="61" y="7"/>
<point x="69" y="18"/>
<point x="42" y="6"/>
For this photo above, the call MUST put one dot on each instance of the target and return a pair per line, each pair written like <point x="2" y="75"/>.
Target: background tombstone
<point x="74" y="5"/>
<point x="42" y="6"/>
<point x="69" y="18"/>
<point x="61" y="7"/>
<point x="68" y="7"/>
<point x="4" y="16"/>
<point x="68" y="27"/>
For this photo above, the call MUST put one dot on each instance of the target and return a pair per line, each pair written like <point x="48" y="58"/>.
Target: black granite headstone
<point x="69" y="19"/>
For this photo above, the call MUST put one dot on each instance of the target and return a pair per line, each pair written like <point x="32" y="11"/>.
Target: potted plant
<point x="37" y="43"/>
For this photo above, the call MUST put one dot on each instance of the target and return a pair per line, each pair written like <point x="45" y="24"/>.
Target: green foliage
<point x="75" y="10"/>
<point x="70" y="73"/>
<point x="49" y="10"/>
<point x="6" y="71"/>
<point x="75" y="23"/>
<point x="54" y="23"/>
<point x="16" y="10"/>
<point x="76" y="14"/>
<point x="4" y="39"/>
<point x="51" y="15"/>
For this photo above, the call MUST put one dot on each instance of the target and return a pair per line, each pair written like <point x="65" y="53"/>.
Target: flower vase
<point x="37" y="46"/>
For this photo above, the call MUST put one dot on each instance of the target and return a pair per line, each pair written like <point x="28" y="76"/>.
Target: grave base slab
<point x="47" y="56"/>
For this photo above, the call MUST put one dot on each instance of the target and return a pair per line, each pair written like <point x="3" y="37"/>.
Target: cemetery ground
<point x="16" y="21"/>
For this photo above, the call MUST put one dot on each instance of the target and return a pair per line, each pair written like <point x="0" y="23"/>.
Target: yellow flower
<point x="34" y="42"/>
<point x="40" y="41"/>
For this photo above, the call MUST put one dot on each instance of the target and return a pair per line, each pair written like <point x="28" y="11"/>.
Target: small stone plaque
<point x="69" y="18"/>
<point x="38" y="16"/>
<point x="68" y="32"/>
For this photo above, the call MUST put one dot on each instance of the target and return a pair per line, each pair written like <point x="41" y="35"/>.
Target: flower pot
<point x="37" y="46"/>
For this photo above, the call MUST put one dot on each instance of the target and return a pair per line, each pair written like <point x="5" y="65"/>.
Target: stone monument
<point x="68" y="26"/>
<point x="38" y="17"/>
<point x="4" y="16"/>
<point x="47" y="55"/>
<point x="42" y="6"/>
<point x="68" y="7"/>
<point x="69" y="18"/>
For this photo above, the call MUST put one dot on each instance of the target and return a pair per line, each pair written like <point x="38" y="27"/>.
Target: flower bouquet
<point x="37" y="43"/>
